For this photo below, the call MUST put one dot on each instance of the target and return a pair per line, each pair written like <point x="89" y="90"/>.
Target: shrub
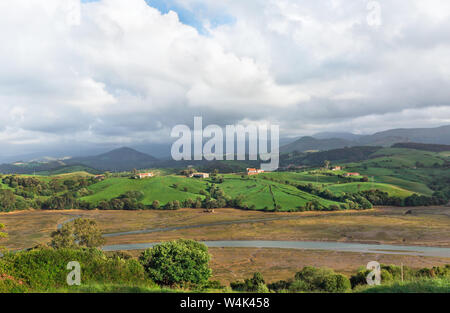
<point x="336" y="283"/>
<point x="177" y="263"/>
<point x="279" y="285"/>
<point x="9" y="284"/>
<point x="45" y="269"/>
<point x="320" y="279"/>
<point x="334" y="207"/>
<point x="254" y="284"/>
<point x="299" y="286"/>
<point x="262" y="288"/>
<point x="359" y="278"/>
<point x="81" y="232"/>
<point x="156" y="205"/>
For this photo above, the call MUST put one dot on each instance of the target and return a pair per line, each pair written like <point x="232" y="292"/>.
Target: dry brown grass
<point x="29" y="228"/>
<point x="426" y="226"/>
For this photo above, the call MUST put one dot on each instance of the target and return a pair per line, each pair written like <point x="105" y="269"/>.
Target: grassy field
<point x="410" y="179"/>
<point x="304" y="177"/>
<point x="409" y="169"/>
<point x="338" y="185"/>
<point x="400" y="157"/>
<point x="263" y="192"/>
<point x="356" y="187"/>
<point x="161" y="188"/>
<point x="79" y="169"/>
<point x="259" y="193"/>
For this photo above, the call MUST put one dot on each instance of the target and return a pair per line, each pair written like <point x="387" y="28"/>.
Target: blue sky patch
<point x="194" y="16"/>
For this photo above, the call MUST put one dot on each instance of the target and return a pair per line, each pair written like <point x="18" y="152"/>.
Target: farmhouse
<point x="337" y="168"/>
<point x="99" y="177"/>
<point x="200" y="175"/>
<point x="352" y="174"/>
<point x="144" y="175"/>
<point x="254" y="171"/>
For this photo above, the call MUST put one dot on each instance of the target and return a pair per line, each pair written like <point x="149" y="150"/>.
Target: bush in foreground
<point x="312" y="279"/>
<point x="180" y="262"/>
<point x="254" y="284"/>
<point x="392" y="273"/>
<point x="45" y="269"/>
<point x="441" y="285"/>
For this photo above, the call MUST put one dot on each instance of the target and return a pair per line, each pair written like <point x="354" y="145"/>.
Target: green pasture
<point x="161" y="188"/>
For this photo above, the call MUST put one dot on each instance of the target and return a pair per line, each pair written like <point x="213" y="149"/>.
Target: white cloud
<point x="120" y="71"/>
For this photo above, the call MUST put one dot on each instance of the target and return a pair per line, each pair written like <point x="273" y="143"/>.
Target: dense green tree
<point x="79" y="233"/>
<point x="64" y="238"/>
<point x="177" y="263"/>
<point x="7" y="200"/>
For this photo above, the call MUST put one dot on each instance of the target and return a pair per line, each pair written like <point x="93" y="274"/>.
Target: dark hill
<point x="324" y="141"/>
<point x="310" y="144"/>
<point x="343" y="155"/>
<point x="121" y="159"/>
<point x="439" y="135"/>
<point x="339" y="135"/>
<point x="422" y="146"/>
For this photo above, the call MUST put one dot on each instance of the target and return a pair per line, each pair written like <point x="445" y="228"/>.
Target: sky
<point x="124" y="72"/>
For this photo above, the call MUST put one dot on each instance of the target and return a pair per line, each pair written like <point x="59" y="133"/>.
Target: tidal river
<point x="308" y="245"/>
<point x="301" y="245"/>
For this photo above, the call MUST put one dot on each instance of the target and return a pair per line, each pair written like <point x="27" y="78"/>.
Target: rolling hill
<point x="439" y="135"/>
<point x="312" y="144"/>
<point x="330" y="141"/>
<point x="422" y="146"/>
<point x="121" y="159"/>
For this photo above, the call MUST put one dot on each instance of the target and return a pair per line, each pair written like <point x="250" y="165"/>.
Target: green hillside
<point x="264" y="193"/>
<point x="413" y="170"/>
<point x="70" y="170"/>
<point x="257" y="193"/>
<point x="161" y="188"/>
<point x="399" y="157"/>
<point x="338" y="185"/>
<point x="314" y="177"/>
<point x="389" y="176"/>
<point x="393" y="191"/>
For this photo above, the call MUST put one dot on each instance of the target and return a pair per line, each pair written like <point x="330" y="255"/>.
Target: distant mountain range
<point x="330" y="141"/>
<point x="121" y="159"/>
<point x="125" y="159"/>
<point x="312" y="144"/>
